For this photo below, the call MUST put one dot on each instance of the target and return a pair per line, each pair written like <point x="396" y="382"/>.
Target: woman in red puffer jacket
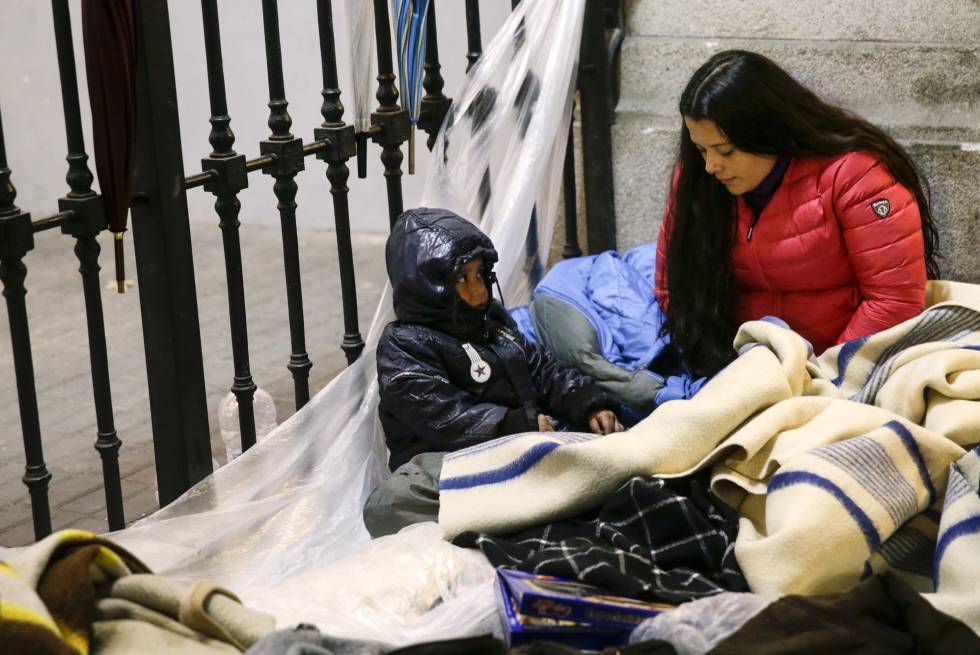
<point x="786" y="206"/>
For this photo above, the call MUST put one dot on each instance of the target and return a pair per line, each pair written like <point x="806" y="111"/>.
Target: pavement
<point x="64" y="386"/>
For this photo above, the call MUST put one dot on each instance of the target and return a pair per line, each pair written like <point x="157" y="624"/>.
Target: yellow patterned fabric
<point x="74" y="593"/>
<point x="50" y="590"/>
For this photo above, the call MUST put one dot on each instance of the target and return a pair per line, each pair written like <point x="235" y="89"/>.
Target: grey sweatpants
<point x="410" y="495"/>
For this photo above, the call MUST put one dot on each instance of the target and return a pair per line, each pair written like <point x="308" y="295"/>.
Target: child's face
<point x="470" y="284"/>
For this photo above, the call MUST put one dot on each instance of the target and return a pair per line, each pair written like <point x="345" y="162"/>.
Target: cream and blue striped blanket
<point x="839" y="465"/>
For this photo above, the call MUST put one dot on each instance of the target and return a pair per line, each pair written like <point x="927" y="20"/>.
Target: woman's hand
<point x="546" y="423"/>
<point x="604" y="422"/>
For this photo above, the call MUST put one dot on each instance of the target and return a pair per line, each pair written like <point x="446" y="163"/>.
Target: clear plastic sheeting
<point x="498" y="158"/>
<point x="281" y="525"/>
<point x="384" y="588"/>
<point x="695" y="628"/>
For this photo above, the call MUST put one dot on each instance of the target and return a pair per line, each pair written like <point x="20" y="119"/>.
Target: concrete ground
<point x="60" y="351"/>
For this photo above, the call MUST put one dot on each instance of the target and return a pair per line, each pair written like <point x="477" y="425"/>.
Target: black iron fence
<point x="161" y="231"/>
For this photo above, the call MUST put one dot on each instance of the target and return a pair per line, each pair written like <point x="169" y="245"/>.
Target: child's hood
<point x="425" y="250"/>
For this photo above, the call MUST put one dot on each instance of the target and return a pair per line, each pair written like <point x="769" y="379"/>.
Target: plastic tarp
<point x="281" y="525"/>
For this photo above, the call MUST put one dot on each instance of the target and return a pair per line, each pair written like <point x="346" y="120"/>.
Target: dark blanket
<point x="659" y="540"/>
<point x="880" y="616"/>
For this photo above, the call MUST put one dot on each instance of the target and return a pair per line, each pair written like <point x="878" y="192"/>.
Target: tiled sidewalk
<point x="60" y="349"/>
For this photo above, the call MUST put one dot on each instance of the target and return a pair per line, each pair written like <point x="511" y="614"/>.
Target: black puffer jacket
<point x="452" y="376"/>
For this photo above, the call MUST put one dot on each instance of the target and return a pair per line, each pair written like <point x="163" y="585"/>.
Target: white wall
<point x="30" y="102"/>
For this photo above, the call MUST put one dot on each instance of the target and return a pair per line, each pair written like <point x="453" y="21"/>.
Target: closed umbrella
<point x="109" y="37"/>
<point x="410" y="31"/>
<point x="360" y="41"/>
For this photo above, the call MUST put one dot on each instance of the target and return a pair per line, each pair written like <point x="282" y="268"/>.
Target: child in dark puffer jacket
<point x="453" y="369"/>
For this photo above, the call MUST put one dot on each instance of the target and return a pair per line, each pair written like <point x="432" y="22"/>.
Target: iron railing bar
<point x="89" y="219"/>
<point x="79" y="177"/>
<point x="481" y="108"/>
<point x="287" y="151"/>
<point x="52" y="221"/>
<point x="200" y="179"/>
<point x="340" y="145"/>
<point x="390" y="123"/>
<point x="595" y="116"/>
<point x="36" y="474"/>
<point x="107" y="442"/>
<point x="474" y="40"/>
<point x="260" y="162"/>
<point x="251" y="165"/>
<point x="273" y="53"/>
<point x="16" y="240"/>
<point x="435" y="105"/>
<point x="216" y="78"/>
<point x="232" y="178"/>
<point x="570" y="193"/>
<point x="315" y="148"/>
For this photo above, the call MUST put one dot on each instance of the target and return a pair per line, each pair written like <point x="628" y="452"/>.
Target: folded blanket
<point x="956" y="566"/>
<point x="73" y="593"/>
<point x="827" y="459"/>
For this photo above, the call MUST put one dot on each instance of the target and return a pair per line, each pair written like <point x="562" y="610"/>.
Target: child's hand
<point x="546" y="424"/>
<point x="604" y="422"/>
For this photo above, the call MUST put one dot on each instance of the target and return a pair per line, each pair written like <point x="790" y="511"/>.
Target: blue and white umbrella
<point x="410" y="33"/>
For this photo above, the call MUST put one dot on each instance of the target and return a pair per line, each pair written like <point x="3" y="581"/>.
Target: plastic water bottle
<point x="231" y="434"/>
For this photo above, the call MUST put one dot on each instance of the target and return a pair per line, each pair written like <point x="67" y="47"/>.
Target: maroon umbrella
<point x="109" y="36"/>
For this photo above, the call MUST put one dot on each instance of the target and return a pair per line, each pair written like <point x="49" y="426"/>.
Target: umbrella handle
<point x="120" y="262"/>
<point x="362" y="141"/>
<point x="411" y="152"/>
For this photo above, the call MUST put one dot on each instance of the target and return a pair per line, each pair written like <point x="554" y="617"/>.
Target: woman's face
<point x="738" y="170"/>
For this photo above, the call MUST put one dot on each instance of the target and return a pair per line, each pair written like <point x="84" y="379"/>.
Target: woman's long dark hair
<point x="761" y="109"/>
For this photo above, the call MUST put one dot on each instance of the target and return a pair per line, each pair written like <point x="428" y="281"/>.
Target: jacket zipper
<point x="752" y="249"/>
<point x="416" y="374"/>
<point x="755" y="219"/>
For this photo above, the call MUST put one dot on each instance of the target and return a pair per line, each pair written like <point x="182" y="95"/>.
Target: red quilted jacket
<point x="837" y="253"/>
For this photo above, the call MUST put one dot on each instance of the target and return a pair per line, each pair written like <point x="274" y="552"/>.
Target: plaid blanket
<point x="838" y="465"/>
<point x="654" y="539"/>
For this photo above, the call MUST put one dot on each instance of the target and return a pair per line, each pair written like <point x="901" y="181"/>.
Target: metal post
<point x="434" y="104"/>
<point x="596" y="116"/>
<point x="288" y="151"/>
<point x="569" y="191"/>
<point x="88" y="219"/>
<point x="106" y="443"/>
<point x="341" y="142"/>
<point x="483" y="105"/>
<point x="230" y="177"/>
<point x="474" y="40"/>
<point x="79" y="176"/>
<point x="16" y="240"/>
<point x="390" y="126"/>
<point x="165" y="267"/>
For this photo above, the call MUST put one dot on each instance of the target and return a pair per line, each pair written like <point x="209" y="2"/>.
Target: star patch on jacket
<point x="881" y="207"/>
<point x="479" y="369"/>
